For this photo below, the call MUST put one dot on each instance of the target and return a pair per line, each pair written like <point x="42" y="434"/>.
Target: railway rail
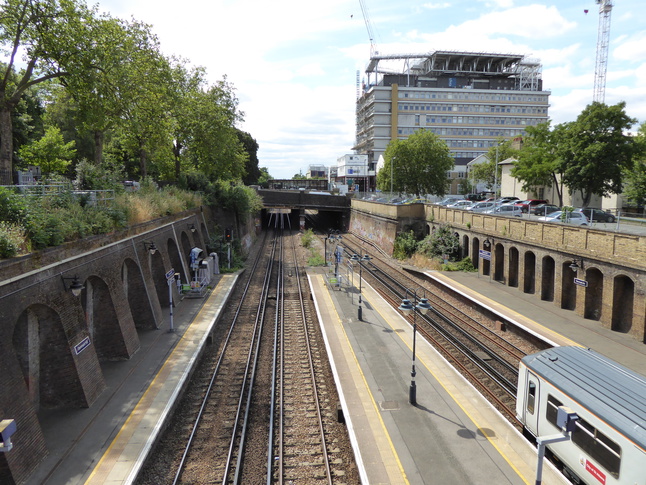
<point x="261" y="407"/>
<point x="485" y="357"/>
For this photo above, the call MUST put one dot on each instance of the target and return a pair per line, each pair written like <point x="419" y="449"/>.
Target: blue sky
<point x="294" y="63"/>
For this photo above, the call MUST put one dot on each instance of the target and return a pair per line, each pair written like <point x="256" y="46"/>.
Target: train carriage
<point x="608" y="445"/>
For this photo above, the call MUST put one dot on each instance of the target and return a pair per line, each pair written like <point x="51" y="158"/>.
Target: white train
<point x="608" y="445"/>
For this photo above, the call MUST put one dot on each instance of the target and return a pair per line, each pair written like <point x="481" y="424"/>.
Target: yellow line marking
<point x="437" y="378"/>
<point x="139" y="411"/>
<point x="339" y="322"/>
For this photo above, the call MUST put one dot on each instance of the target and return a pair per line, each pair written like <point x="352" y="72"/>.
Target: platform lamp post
<point x="358" y="259"/>
<point x="423" y="306"/>
<point x="332" y="234"/>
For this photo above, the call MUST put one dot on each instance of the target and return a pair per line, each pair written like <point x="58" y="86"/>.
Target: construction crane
<point x="603" y="42"/>
<point x="371" y="35"/>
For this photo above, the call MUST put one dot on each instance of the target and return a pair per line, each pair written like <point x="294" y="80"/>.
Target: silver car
<point x="566" y="217"/>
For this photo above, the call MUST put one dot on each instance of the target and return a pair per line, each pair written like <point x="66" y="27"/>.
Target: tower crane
<point x="603" y="42"/>
<point x="371" y="35"/>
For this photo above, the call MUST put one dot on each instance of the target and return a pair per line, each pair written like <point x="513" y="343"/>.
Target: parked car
<point x="460" y="204"/>
<point x="527" y="205"/>
<point x="505" y="200"/>
<point x="506" y="210"/>
<point x="544" y="209"/>
<point x="481" y="206"/>
<point x="597" y="215"/>
<point x="449" y="200"/>
<point x="475" y="197"/>
<point x="569" y="218"/>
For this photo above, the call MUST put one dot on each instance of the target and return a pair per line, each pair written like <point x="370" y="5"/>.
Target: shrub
<point x="405" y="245"/>
<point x="12" y="206"/>
<point x="307" y="238"/>
<point x="441" y="242"/>
<point x="12" y="240"/>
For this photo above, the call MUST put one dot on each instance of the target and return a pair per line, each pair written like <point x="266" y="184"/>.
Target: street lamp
<point x="75" y="286"/>
<point x="423" y="306"/>
<point x="358" y="259"/>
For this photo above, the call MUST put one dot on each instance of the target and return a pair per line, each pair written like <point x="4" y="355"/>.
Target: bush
<point x="465" y="265"/>
<point x="12" y="207"/>
<point x="405" y="245"/>
<point x="441" y="242"/>
<point x="307" y="238"/>
<point x="12" y="240"/>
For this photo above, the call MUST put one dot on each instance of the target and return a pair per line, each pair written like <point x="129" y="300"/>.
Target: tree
<point x="264" y="177"/>
<point x="537" y="162"/>
<point x="55" y="39"/>
<point x="250" y="146"/>
<point x="50" y="153"/>
<point x="417" y="165"/>
<point x="595" y="150"/>
<point x="635" y="189"/>
<point x="490" y="171"/>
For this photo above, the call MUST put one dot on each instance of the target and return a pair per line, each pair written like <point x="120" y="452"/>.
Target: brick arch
<point x="547" y="278"/>
<point x="136" y="292"/>
<point x="45" y="358"/>
<point x="514" y="265"/>
<point x="464" y="247"/>
<point x="623" y="302"/>
<point x="568" y="288"/>
<point x="158" y="273"/>
<point x="499" y="262"/>
<point x="593" y="308"/>
<point x="176" y="258"/>
<point x="475" y="252"/>
<point x="103" y="321"/>
<point x="529" y="272"/>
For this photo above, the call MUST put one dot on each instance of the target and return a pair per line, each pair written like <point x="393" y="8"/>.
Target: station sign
<point x="82" y="345"/>
<point x="579" y="282"/>
<point x="485" y="254"/>
<point x="170" y="274"/>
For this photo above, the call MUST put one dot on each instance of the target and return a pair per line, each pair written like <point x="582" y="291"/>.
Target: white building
<point x="354" y="171"/>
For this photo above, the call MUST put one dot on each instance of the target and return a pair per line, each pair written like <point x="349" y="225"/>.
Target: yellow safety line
<point x="152" y="387"/>
<point x="326" y="295"/>
<point x="473" y="420"/>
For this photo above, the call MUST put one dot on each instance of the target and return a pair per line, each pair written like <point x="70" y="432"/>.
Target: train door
<point x="532" y="402"/>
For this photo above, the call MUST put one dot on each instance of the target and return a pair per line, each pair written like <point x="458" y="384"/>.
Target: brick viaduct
<point x="53" y="344"/>
<point x="534" y="257"/>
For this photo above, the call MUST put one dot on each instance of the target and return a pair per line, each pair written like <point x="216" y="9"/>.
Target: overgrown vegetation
<point x="33" y="222"/>
<point x="315" y="259"/>
<point x="439" y="250"/>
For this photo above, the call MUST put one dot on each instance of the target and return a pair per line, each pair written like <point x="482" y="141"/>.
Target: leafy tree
<point x="252" y="171"/>
<point x="594" y="150"/>
<point x="418" y="165"/>
<point x="264" y="177"/>
<point x="635" y="189"/>
<point x="214" y="147"/>
<point x="486" y="171"/>
<point x="537" y="162"/>
<point x="441" y="242"/>
<point x="299" y="176"/>
<point x="51" y="152"/>
<point x="55" y="39"/>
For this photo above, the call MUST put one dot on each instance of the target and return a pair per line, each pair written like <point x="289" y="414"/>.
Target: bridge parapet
<point x="302" y="199"/>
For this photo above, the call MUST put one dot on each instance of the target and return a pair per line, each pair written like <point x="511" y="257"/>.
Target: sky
<point x="294" y="63"/>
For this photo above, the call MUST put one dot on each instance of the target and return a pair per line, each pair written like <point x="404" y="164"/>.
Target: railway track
<point x="483" y="356"/>
<point x="261" y="406"/>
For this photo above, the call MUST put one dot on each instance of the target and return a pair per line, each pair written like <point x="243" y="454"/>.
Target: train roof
<point x="615" y="394"/>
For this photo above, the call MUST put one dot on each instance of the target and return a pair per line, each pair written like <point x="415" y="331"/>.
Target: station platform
<point x="107" y="443"/>
<point x="451" y="436"/>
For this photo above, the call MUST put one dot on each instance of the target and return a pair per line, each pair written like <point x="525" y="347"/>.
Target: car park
<point x="597" y="215"/>
<point x="544" y="209"/>
<point x="566" y="217"/>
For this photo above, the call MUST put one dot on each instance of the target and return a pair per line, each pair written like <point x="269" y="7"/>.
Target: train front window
<point x="531" y="397"/>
